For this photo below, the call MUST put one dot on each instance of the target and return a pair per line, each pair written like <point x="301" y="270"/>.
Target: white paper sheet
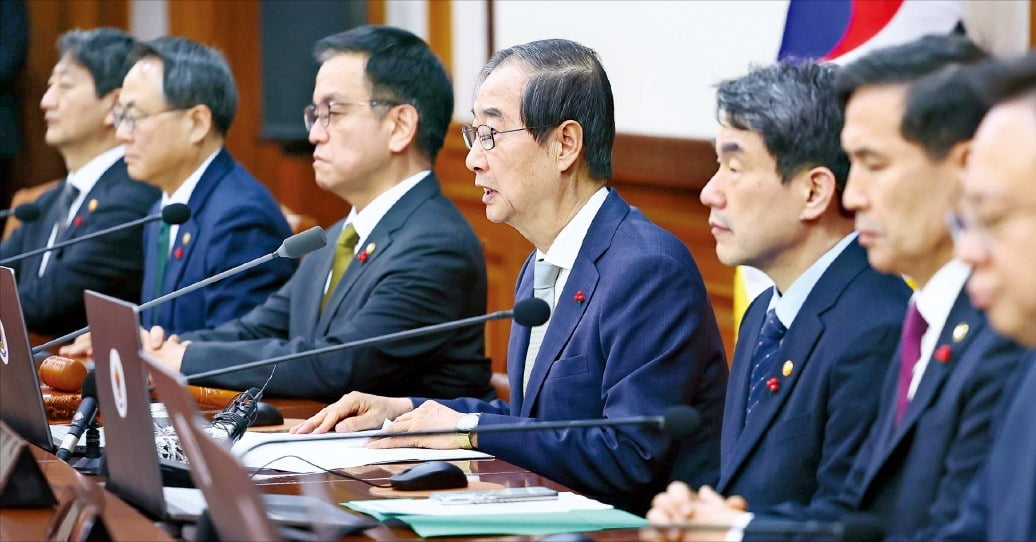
<point x="565" y="502"/>
<point x="331" y="454"/>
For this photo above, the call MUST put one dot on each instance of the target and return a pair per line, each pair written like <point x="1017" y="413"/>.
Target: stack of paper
<point x="569" y="513"/>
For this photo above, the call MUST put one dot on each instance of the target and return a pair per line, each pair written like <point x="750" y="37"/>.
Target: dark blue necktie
<point x="764" y="360"/>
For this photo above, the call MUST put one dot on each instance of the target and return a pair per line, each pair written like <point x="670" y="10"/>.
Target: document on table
<point x="566" y="501"/>
<point x="330" y="454"/>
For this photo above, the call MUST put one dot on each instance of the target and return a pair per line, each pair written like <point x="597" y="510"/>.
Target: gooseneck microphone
<point x="176" y="213"/>
<point x="677" y="421"/>
<point x="527" y="312"/>
<point x="84" y="416"/>
<point x="854" y="527"/>
<point x="26" y="212"/>
<point x="293" y="247"/>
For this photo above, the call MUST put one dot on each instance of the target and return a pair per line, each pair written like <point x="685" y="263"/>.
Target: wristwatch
<point x="465" y="424"/>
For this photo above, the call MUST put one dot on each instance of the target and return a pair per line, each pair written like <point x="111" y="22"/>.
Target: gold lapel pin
<point x="960" y="331"/>
<point x="186" y="238"/>
<point x="92" y="206"/>
<point x="370" y="248"/>
<point x="788" y="367"/>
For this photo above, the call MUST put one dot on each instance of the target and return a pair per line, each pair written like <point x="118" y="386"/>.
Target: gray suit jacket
<point x="426" y="267"/>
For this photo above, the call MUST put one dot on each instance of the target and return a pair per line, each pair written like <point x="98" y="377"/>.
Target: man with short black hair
<point x="631" y="329"/>
<point x="97" y="193"/>
<point x="403" y="258"/>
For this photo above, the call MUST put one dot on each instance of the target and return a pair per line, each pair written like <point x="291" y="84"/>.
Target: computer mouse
<point x="266" y="414"/>
<point x="429" y="475"/>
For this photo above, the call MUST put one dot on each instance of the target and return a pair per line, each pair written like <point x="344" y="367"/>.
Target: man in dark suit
<point x="631" y="329"/>
<point x="996" y="213"/>
<point x="799" y="400"/>
<point x="938" y="398"/>
<point x="97" y="194"/>
<point x="404" y="257"/>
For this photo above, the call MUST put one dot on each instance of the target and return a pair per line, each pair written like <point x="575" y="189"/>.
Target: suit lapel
<point x="796" y="348"/>
<point x="518" y="343"/>
<point x="381" y="237"/>
<point x="584" y="277"/>
<point x="741" y="367"/>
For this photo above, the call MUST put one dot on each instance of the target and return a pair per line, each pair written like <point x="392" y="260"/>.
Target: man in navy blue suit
<point x="997" y="214"/>
<point x="631" y="330"/>
<point x="177" y="104"/>
<point x="940" y="393"/>
<point x="97" y="193"/>
<point x="799" y="401"/>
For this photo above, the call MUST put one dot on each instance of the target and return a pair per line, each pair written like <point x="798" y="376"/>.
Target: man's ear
<point x="404" y="122"/>
<point x="200" y="117"/>
<point x="821" y="191"/>
<point x="108" y="102"/>
<point x="566" y="144"/>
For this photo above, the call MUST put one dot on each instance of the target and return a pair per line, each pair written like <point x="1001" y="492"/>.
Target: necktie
<point x="544" y="276"/>
<point x="344" y="252"/>
<point x="161" y="259"/>
<point x="909" y="354"/>
<point x="764" y="359"/>
<point x="59" y="217"/>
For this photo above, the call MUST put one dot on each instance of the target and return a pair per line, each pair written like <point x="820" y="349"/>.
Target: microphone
<point x="83" y="418"/>
<point x="677" y="421"/>
<point x="293" y="247"/>
<point x="176" y="213"/>
<point x="26" y="212"/>
<point x="234" y="420"/>
<point x="854" y="527"/>
<point x="527" y="312"/>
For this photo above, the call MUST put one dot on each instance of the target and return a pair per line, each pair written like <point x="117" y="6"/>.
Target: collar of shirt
<point x="788" y="305"/>
<point x="934" y="302"/>
<point x="183" y="193"/>
<point x="366" y="220"/>
<point x="87" y="176"/>
<point x="566" y="245"/>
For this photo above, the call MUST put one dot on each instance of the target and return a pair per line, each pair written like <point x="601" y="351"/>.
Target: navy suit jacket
<point x="234" y="219"/>
<point x="913" y="476"/>
<point x="643" y="339"/>
<point x="1001" y="503"/>
<point x="801" y="441"/>
<point x="110" y="264"/>
<point x="426" y="267"/>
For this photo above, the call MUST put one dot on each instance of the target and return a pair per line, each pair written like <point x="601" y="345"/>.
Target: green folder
<point x="513" y="524"/>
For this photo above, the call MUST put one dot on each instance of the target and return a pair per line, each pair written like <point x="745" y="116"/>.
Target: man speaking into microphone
<point x="631" y="330"/>
<point x="96" y="194"/>
<point x="403" y="258"/>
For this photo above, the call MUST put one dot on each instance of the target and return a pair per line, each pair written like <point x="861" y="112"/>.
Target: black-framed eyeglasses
<point x="324" y="111"/>
<point x="121" y="115"/>
<point x="486" y="135"/>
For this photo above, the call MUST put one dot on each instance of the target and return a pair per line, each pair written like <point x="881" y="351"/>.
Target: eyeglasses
<point x="120" y="115"/>
<point x="486" y="135"/>
<point x="323" y="112"/>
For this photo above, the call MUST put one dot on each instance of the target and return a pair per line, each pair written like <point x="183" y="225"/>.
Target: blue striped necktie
<point x="764" y="359"/>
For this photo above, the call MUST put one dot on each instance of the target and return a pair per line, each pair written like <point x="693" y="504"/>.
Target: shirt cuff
<point x="737" y="529"/>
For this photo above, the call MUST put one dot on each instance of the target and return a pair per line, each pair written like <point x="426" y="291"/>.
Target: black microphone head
<point x="303" y="243"/>
<point x="89" y="385"/>
<point x="176" y="213"/>
<point x="27" y="212"/>
<point x="862" y="528"/>
<point x="680" y="421"/>
<point x="531" y="312"/>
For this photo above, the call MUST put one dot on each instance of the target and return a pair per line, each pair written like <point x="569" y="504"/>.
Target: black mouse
<point x="266" y="414"/>
<point x="429" y="475"/>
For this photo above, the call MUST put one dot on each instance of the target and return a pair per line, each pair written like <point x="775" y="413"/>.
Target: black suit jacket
<point x="424" y="266"/>
<point x="111" y="264"/>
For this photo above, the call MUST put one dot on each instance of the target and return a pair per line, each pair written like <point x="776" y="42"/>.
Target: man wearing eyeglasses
<point x="97" y="193"/>
<point x="403" y="258"/>
<point x="631" y="329"/>
<point x="907" y="142"/>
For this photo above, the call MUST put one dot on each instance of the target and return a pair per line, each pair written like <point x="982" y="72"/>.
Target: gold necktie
<point x="343" y="257"/>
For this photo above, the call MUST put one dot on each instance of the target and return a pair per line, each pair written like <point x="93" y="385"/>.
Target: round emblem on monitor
<point x="3" y="344"/>
<point x="118" y="382"/>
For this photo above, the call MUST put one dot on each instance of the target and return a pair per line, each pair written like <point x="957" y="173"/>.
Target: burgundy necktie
<point x="909" y="353"/>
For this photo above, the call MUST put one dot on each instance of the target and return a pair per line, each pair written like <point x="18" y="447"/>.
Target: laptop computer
<point x="22" y="406"/>
<point x="122" y="392"/>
